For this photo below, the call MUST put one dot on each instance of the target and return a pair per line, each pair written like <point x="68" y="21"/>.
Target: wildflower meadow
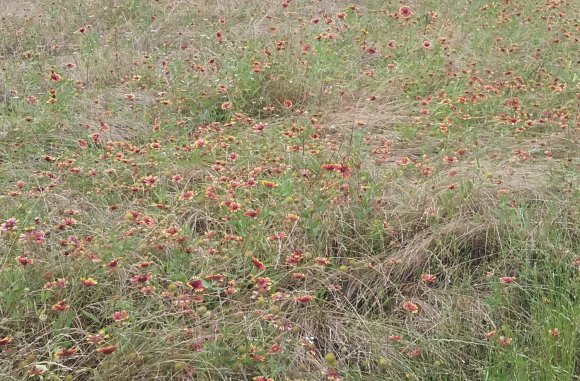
<point x="289" y="190"/>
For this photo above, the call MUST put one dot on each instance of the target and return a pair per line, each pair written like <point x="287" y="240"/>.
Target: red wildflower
<point x="259" y="265"/>
<point x="332" y="375"/>
<point x="260" y="127"/>
<point x="505" y="341"/>
<point x="345" y="170"/>
<point x="395" y="338"/>
<point x="24" y="260"/>
<point x="507" y="279"/>
<point x="196" y="284"/>
<point x="299" y="276"/>
<point x="54" y="75"/>
<point x="428" y="278"/>
<point x="321" y="261"/>
<point x="305" y="299"/>
<point x="251" y="213"/>
<point x="405" y="11"/>
<point x="66" y="352"/>
<point x="277" y="237"/>
<point x="141" y="278"/>
<point x="61" y="306"/>
<point x="275" y="348"/>
<point x="215" y="277"/>
<point x="120" y="315"/>
<point x="330" y="167"/>
<point x="262" y="378"/>
<point x="88" y="282"/>
<point x="295" y="258"/>
<point x="113" y="263"/>
<point x="148" y="290"/>
<point x="263" y="284"/>
<point x="6" y="340"/>
<point x="415" y="352"/>
<point x="95" y="339"/>
<point x="107" y="350"/>
<point x="491" y="334"/>
<point x="9" y="224"/>
<point x="37" y="370"/>
<point x="410" y="307"/>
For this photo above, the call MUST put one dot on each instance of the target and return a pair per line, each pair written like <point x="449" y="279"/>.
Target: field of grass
<point x="289" y="190"/>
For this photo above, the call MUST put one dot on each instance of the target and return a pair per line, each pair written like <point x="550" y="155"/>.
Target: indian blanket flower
<point x="107" y="350"/>
<point x="149" y="180"/>
<point x="37" y="370"/>
<point x="415" y="352"/>
<point x="260" y="127"/>
<point x="54" y="76"/>
<point x="428" y="278"/>
<point x="61" y="306"/>
<point x="251" y="213"/>
<point x="259" y="265"/>
<point x="34" y="236"/>
<point x="9" y="224"/>
<point x="305" y="299"/>
<point x="410" y="307"/>
<point x="332" y="375"/>
<point x="120" y="315"/>
<point x="295" y="258"/>
<point x="141" y="278"/>
<point x="66" y="352"/>
<point x="97" y="338"/>
<point x="24" y="260"/>
<point x="505" y="341"/>
<point x="321" y="261"/>
<point x="263" y="284"/>
<point x="395" y="338"/>
<point x="60" y="282"/>
<point x="277" y="237"/>
<point x="89" y="282"/>
<point x="196" y="285"/>
<point x="405" y="11"/>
